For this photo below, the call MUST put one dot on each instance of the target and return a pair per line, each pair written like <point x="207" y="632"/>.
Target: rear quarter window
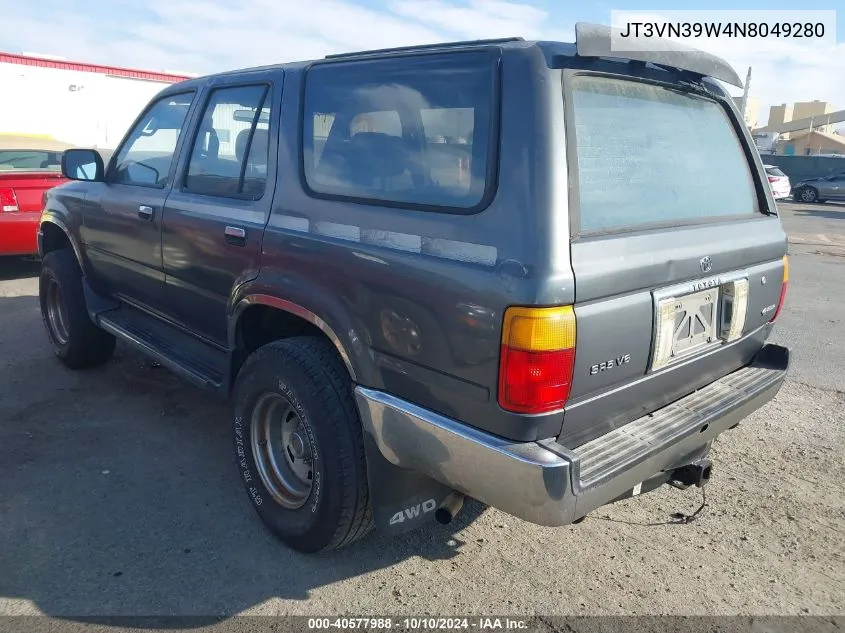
<point x="647" y="155"/>
<point x="410" y="131"/>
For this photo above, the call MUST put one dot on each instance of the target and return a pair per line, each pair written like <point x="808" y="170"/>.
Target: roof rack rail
<point x="422" y="47"/>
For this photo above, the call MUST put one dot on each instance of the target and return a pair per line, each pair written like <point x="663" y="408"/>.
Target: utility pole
<point x="744" y="103"/>
<point x="810" y="137"/>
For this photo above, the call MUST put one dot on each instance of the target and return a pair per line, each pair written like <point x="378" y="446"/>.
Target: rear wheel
<point x="77" y="342"/>
<point x="299" y="445"/>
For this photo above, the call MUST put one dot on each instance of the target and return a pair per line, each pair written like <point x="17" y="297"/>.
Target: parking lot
<point x="118" y="496"/>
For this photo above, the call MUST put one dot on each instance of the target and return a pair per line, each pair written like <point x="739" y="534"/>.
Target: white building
<point x="88" y="105"/>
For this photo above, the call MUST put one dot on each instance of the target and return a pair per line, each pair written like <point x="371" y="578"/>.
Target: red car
<point x="29" y="166"/>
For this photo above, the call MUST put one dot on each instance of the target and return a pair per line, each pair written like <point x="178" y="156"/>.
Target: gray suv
<point x="498" y="269"/>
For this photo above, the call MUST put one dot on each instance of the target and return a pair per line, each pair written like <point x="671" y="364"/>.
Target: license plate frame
<point x="696" y="319"/>
<point x="668" y="344"/>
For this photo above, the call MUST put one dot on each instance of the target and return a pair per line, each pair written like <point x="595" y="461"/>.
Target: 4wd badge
<point x="413" y="512"/>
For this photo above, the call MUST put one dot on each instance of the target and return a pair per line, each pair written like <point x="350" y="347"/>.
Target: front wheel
<point x="808" y="194"/>
<point x="299" y="445"/>
<point x="77" y="342"/>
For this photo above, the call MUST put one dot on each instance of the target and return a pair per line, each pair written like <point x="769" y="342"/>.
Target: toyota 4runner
<point x="537" y="274"/>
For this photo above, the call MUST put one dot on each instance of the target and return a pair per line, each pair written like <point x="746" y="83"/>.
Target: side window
<point x="415" y="131"/>
<point x="147" y="154"/>
<point x="231" y="148"/>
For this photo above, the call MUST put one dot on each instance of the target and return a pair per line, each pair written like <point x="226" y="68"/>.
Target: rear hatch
<point x="677" y="258"/>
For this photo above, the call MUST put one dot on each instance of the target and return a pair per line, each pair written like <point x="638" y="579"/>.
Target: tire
<point x="299" y="386"/>
<point x="808" y="194"/>
<point x="76" y="341"/>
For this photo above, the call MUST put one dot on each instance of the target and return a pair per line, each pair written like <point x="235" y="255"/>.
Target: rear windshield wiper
<point x="685" y="87"/>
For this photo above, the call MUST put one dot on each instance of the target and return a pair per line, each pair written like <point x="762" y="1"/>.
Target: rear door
<point x="213" y="223"/>
<point x="677" y="259"/>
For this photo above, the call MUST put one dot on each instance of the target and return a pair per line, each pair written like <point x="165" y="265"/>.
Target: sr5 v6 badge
<point x="609" y="364"/>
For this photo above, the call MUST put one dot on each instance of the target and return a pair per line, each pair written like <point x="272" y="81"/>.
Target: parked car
<point x="821" y="189"/>
<point x="400" y="322"/>
<point x="778" y="181"/>
<point x="29" y="166"/>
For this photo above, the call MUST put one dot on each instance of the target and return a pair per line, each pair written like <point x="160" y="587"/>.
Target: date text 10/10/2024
<point x="412" y="623"/>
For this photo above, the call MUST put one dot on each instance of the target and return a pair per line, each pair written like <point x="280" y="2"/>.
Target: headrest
<point x="260" y="143"/>
<point x="210" y="135"/>
<point x="240" y="143"/>
<point x="374" y="154"/>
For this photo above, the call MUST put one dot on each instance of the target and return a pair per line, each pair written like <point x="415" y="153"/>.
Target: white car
<point x="779" y="182"/>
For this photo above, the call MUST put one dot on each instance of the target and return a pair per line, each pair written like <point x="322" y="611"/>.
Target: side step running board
<point x="194" y="360"/>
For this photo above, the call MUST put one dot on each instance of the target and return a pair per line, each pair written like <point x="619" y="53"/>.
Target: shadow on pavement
<point x="18" y="268"/>
<point x="119" y="496"/>
<point x="834" y="213"/>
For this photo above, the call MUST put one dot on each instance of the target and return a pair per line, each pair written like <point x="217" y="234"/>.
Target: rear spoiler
<point x="598" y="40"/>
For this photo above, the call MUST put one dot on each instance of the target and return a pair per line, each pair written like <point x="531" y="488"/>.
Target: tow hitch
<point x="694" y="474"/>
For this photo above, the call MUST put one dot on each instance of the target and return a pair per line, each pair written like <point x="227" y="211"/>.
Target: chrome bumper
<point x="547" y="483"/>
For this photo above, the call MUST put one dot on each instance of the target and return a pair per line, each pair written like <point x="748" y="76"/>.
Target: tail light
<point x="773" y="179"/>
<point x="782" y="288"/>
<point x="8" y="199"/>
<point x="537" y="359"/>
<point x="734" y="309"/>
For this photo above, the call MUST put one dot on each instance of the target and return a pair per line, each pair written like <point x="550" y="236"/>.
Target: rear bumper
<point x="19" y="233"/>
<point x="549" y="484"/>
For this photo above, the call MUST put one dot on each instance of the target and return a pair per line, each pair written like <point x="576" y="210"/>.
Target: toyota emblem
<point x="706" y="264"/>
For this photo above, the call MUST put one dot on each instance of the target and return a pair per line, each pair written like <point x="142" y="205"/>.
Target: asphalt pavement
<point x="811" y="324"/>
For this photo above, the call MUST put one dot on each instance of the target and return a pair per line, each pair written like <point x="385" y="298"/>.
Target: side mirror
<point x="82" y="164"/>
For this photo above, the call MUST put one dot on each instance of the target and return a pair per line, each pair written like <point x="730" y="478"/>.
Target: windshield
<point x="30" y="159"/>
<point x="774" y="171"/>
<point x="650" y="155"/>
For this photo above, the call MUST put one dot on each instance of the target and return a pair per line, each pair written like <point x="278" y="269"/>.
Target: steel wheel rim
<point x="56" y="313"/>
<point x="282" y="450"/>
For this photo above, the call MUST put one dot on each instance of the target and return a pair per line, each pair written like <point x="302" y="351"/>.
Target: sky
<point x="203" y="36"/>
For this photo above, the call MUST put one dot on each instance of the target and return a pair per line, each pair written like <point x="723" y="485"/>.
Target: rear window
<point x="410" y="131"/>
<point x="774" y="171"/>
<point x="647" y="154"/>
<point x="30" y="159"/>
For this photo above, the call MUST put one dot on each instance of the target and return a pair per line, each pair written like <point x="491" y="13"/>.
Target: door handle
<point x="235" y="235"/>
<point x="145" y="212"/>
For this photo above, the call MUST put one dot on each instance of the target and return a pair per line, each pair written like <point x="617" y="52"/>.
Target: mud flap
<point x="403" y="500"/>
